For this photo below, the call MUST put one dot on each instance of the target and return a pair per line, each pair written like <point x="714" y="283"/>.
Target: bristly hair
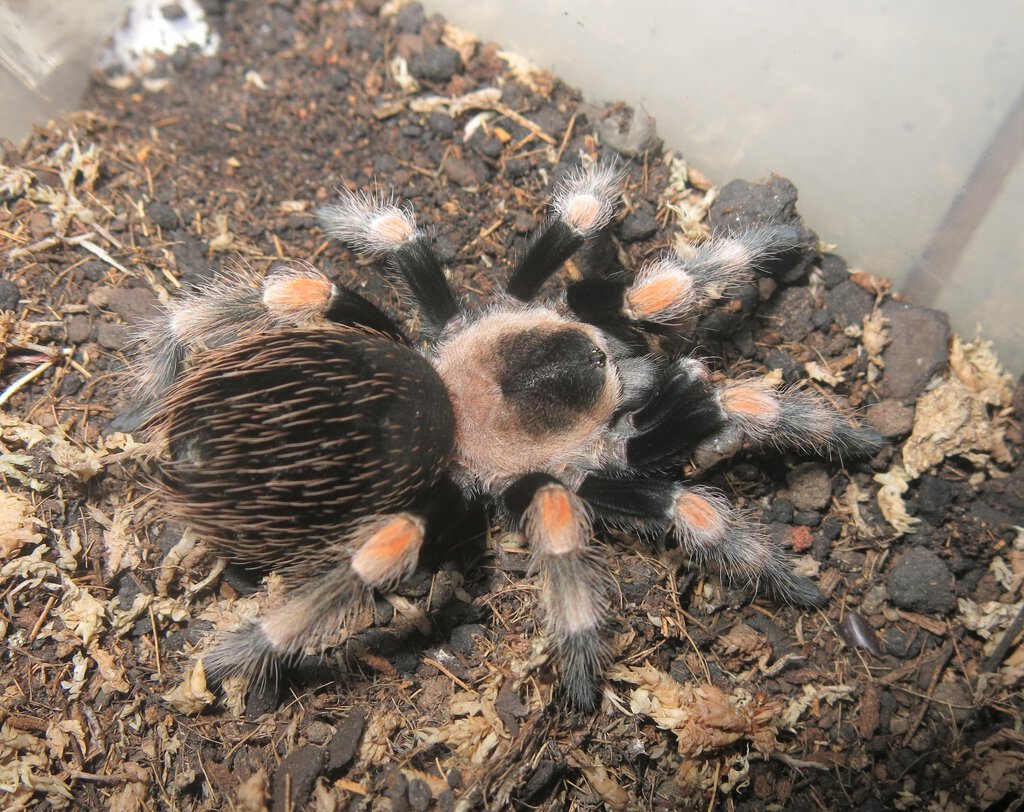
<point x="370" y="223"/>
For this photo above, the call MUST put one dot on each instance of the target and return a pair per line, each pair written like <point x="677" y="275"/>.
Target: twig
<point x="42" y="618"/>
<point x="95" y="249"/>
<point x="940" y="664"/>
<point x="565" y="138"/>
<point x="23" y="381"/>
<point x="156" y="639"/>
<point x="112" y="778"/>
<point x="447" y="673"/>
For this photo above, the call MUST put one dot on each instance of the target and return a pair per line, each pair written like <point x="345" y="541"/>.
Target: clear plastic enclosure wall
<point x="902" y="124"/>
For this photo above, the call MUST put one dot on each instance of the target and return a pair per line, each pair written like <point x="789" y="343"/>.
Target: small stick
<point x="42" y="618"/>
<point x="156" y="640"/>
<point x="23" y="381"/>
<point x="565" y="138"/>
<point x="940" y="665"/>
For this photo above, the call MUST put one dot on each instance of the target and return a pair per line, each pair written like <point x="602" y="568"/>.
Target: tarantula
<point x="303" y="430"/>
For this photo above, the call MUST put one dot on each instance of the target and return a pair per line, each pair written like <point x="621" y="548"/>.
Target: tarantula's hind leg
<point x="244" y="302"/>
<point x="381" y="552"/>
<point x="574" y="580"/>
<point x="583" y="205"/>
<point x="707" y="527"/>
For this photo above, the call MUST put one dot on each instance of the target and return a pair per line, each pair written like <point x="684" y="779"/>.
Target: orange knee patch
<point x="660" y="294"/>
<point x="699" y="516"/>
<point x="393" y="229"/>
<point x="584" y="212"/>
<point x="750" y="401"/>
<point x="391" y="551"/>
<point x="556" y="522"/>
<point x="297" y="297"/>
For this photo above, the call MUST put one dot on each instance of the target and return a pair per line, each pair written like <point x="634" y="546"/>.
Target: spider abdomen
<point x="284" y="440"/>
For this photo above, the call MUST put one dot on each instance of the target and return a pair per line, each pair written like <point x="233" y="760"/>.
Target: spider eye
<point x="598" y="357"/>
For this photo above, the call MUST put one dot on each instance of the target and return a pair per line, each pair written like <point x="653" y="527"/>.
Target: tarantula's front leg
<point x="707" y="527"/>
<point x="670" y="289"/>
<point x="682" y="413"/>
<point x="689" y="413"/>
<point x="574" y="580"/>
<point x="378" y="228"/>
<point x="794" y="418"/>
<point x="244" y="302"/>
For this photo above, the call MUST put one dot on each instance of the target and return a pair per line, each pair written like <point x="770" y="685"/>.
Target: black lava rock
<point x="919" y="347"/>
<point x="10" y="292"/>
<point x="921" y="582"/>
<point x="436" y="64"/>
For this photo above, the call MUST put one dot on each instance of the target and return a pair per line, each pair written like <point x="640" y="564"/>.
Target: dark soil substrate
<point x="896" y="695"/>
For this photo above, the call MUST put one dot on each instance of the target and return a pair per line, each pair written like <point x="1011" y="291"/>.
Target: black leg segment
<point x="682" y="413"/>
<point x="546" y="254"/>
<point x="349" y="308"/>
<point x="419" y="266"/>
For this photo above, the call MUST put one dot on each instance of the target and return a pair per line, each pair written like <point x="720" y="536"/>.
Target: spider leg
<point x="375" y="227"/>
<point x="688" y="413"/>
<point x="583" y="205"/>
<point x="671" y="288"/>
<point x="574" y="580"/>
<point x="682" y="413"/>
<point x="706" y="526"/>
<point x="246" y="302"/>
<point x="326" y="585"/>
<point x="794" y="418"/>
<point x="380" y="553"/>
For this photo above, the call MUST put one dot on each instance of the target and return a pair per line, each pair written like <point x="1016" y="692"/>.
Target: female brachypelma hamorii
<point x="302" y="430"/>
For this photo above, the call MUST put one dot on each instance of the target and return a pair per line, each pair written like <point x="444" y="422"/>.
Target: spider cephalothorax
<point x="304" y="432"/>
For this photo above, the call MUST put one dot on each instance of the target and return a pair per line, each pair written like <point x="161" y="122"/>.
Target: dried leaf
<point x="851" y="502"/>
<point x="81" y="463"/>
<point x="132" y="796"/>
<point x="951" y="419"/>
<point x="82" y="613"/>
<point x="122" y="548"/>
<point x="376" y="742"/>
<point x="461" y="40"/>
<point x="821" y="373"/>
<point x="17" y="524"/>
<point x="812" y="695"/>
<point x="875" y="336"/>
<point x="110" y="671"/>
<point x="252" y="795"/>
<point x="987" y="618"/>
<point x="528" y="74"/>
<point x="895" y="483"/>
<point x="703" y="718"/>
<point x="977" y="366"/>
<point x="476" y="733"/>
<point x="745" y="642"/>
<point x="75" y="685"/>
<point x="192" y="695"/>
<point x="614" y="796"/>
<point x="483" y="99"/>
